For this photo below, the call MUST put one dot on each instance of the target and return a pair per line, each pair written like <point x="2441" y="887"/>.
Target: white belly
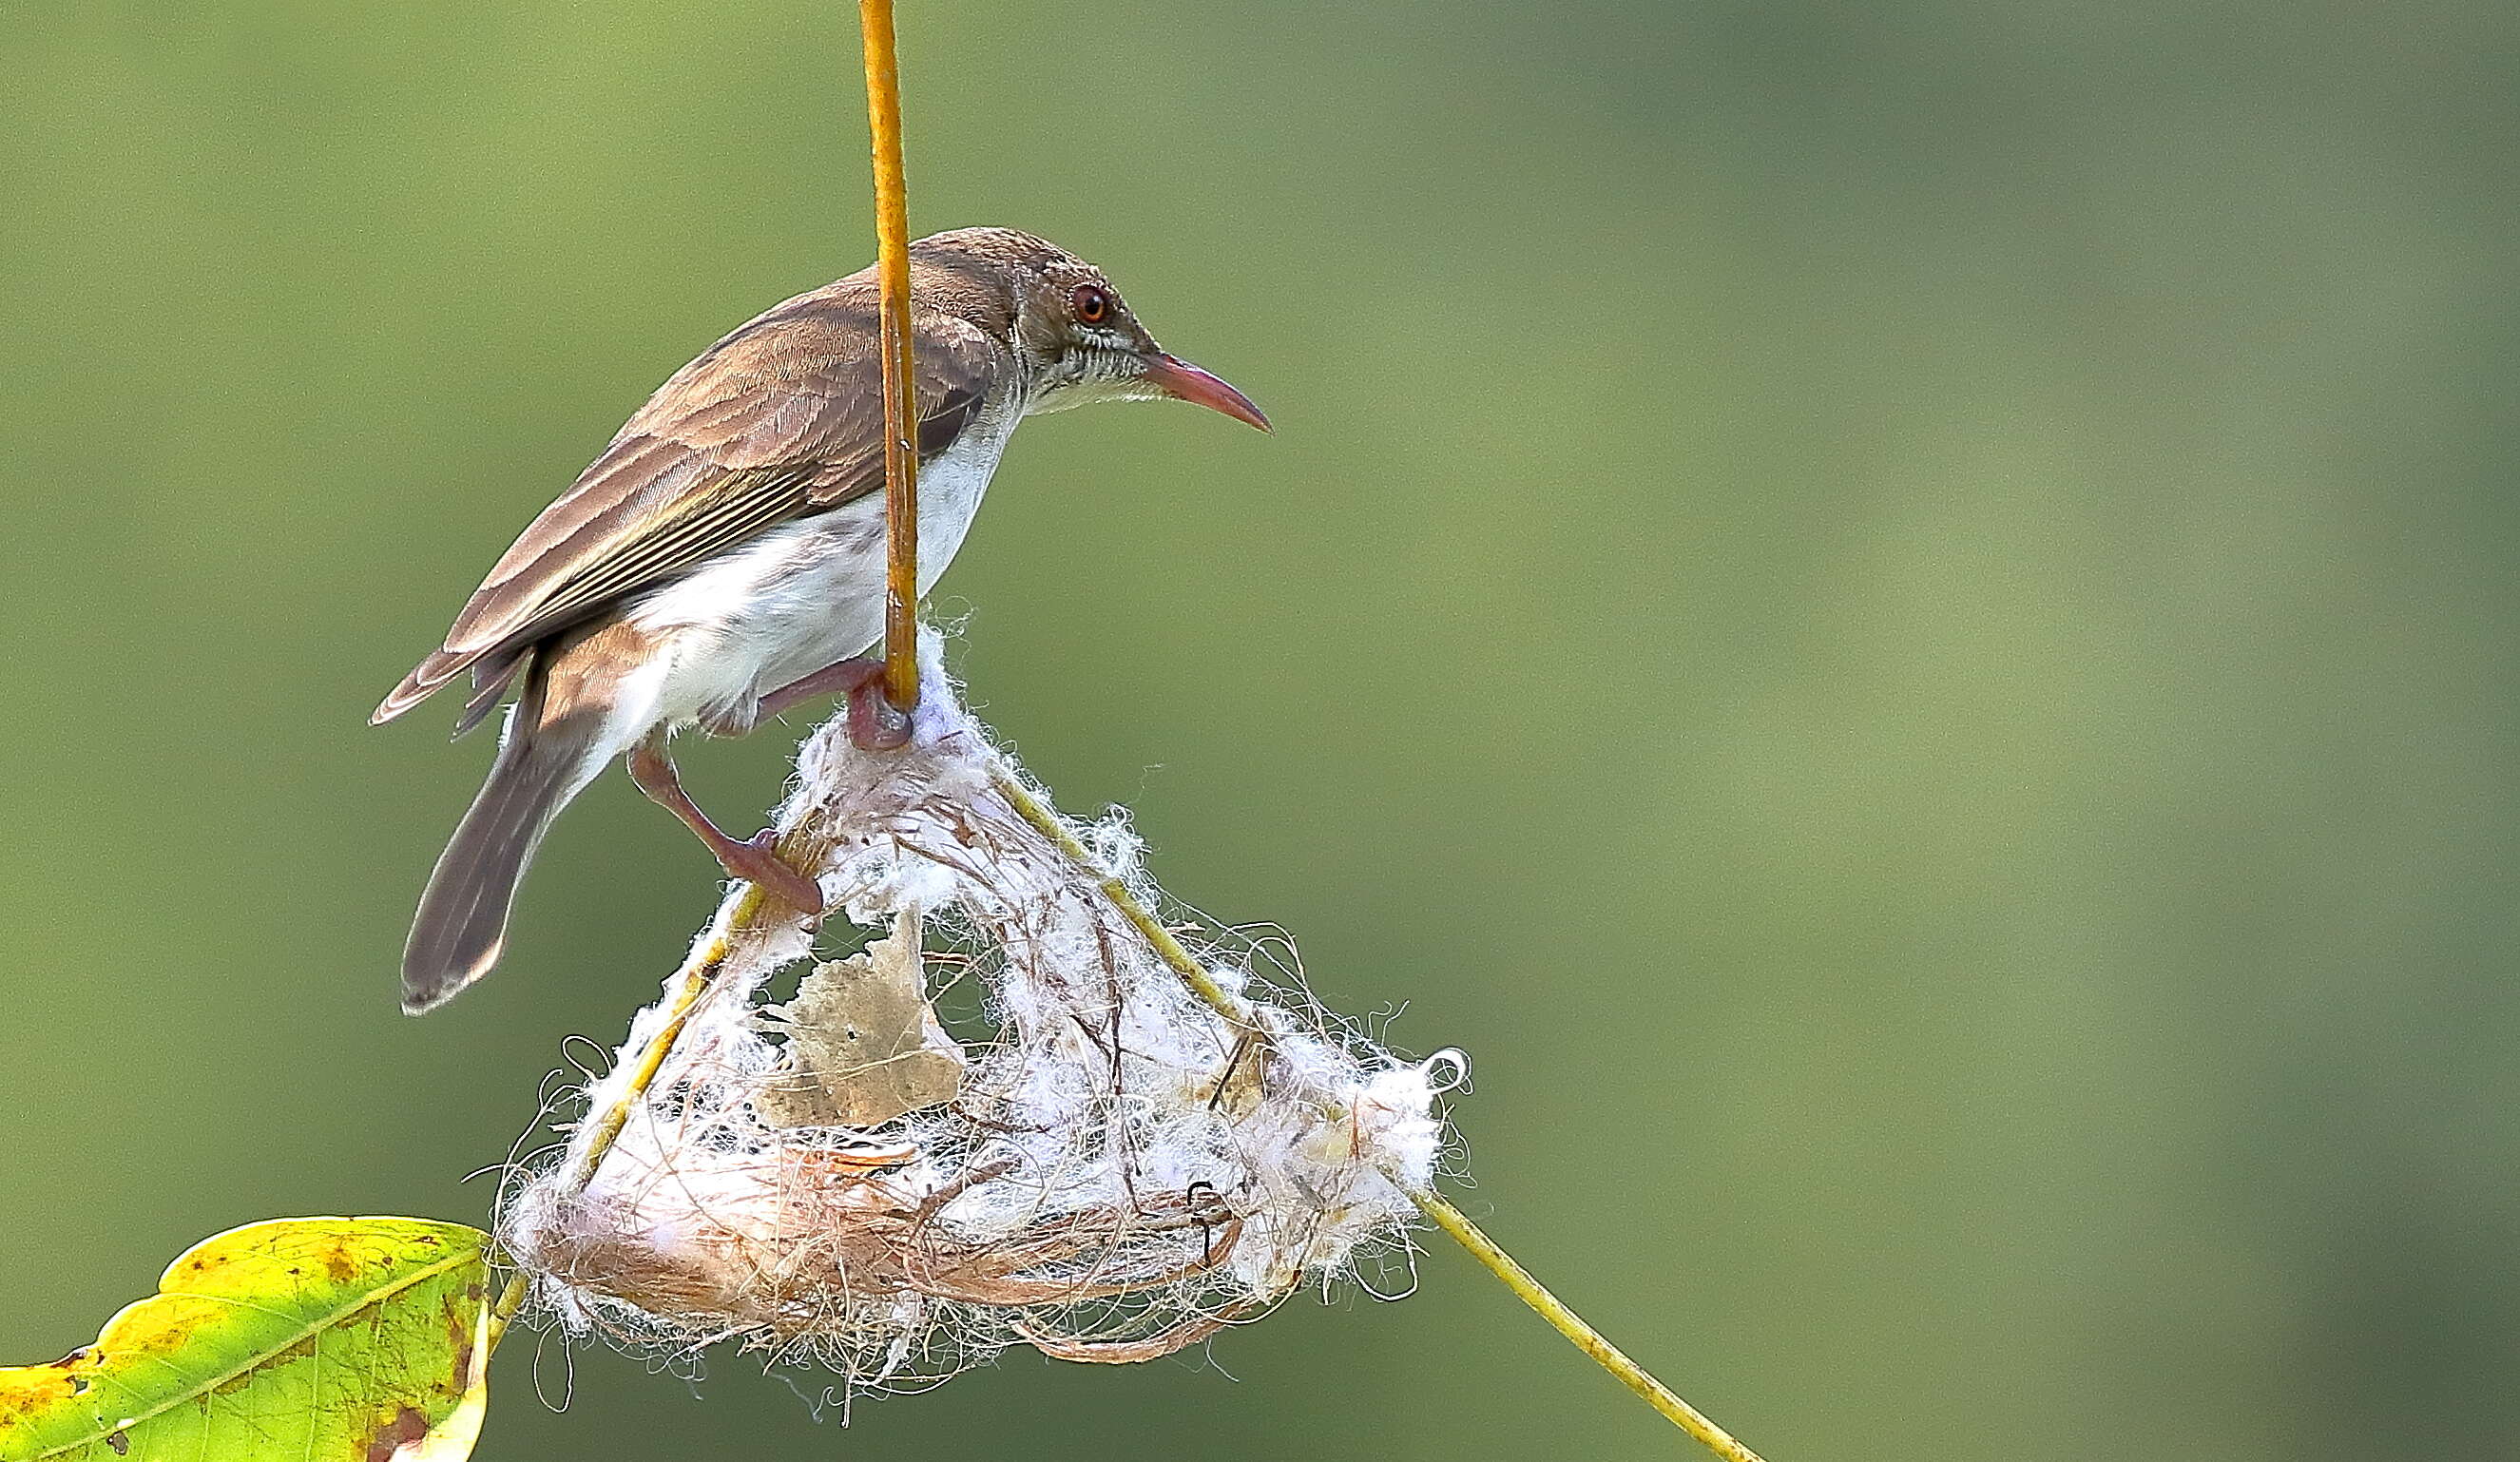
<point x="806" y="594"/>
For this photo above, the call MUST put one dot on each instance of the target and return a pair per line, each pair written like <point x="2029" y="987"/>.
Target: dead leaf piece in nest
<point x="863" y="1043"/>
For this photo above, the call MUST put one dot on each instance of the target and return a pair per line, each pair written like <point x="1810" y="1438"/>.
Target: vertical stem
<point x="901" y="545"/>
<point x="900" y="409"/>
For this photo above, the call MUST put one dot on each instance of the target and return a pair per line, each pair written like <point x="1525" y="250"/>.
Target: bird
<point x="723" y="558"/>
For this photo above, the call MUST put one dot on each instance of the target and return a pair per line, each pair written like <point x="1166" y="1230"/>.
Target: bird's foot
<point x="755" y="860"/>
<point x="874" y="725"/>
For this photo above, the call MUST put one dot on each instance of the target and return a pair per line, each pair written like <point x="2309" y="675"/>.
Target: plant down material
<point x="1109" y="1168"/>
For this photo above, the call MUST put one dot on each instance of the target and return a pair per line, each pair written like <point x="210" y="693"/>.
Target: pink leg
<point x="874" y="725"/>
<point x="750" y="859"/>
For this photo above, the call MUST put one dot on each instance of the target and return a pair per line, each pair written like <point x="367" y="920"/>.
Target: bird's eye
<point x="1092" y="303"/>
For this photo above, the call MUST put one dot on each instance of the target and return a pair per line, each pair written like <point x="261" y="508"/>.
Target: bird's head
<point x="1076" y="339"/>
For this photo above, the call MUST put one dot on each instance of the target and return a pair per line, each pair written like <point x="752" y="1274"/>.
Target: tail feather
<point x="461" y="926"/>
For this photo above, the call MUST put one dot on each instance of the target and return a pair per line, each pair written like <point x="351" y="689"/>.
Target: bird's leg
<point x="844" y="677"/>
<point x="874" y="724"/>
<point x="751" y="859"/>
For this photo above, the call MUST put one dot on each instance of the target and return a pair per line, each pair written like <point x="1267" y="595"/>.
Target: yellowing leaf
<point x="313" y="1340"/>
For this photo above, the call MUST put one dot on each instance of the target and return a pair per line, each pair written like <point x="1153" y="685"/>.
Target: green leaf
<point x="314" y="1339"/>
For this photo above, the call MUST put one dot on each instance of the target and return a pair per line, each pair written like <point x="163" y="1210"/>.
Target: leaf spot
<point x="407" y="1427"/>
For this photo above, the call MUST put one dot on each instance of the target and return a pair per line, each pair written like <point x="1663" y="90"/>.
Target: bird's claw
<point x="756" y="861"/>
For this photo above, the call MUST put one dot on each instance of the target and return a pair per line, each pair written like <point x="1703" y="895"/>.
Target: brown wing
<point x="782" y="417"/>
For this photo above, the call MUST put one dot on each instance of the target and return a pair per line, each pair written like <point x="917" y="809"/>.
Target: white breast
<point x="809" y="593"/>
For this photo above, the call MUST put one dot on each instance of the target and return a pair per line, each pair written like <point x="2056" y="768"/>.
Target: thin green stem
<point x="1571" y="1325"/>
<point x="511" y="1298"/>
<point x="691" y="982"/>
<point x="1173" y="952"/>
<point x="1450" y="1219"/>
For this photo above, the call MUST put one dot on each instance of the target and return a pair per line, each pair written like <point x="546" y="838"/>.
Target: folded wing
<point x="782" y="417"/>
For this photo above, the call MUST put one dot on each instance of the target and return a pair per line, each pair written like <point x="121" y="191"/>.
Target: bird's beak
<point x="1183" y="381"/>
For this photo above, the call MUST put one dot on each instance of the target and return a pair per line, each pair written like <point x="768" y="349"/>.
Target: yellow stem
<point x="1450" y="1219"/>
<point x="510" y="1298"/>
<point x="691" y="982"/>
<point x="901" y="568"/>
<point x="901" y="544"/>
<point x="901" y="525"/>
<point x="1046" y="822"/>
<point x="1569" y="1324"/>
<point x="892" y="273"/>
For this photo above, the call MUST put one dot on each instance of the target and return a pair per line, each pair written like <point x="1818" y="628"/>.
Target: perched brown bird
<point x="724" y="557"/>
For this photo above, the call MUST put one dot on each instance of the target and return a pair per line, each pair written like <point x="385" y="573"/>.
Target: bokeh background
<point x="1900" y="618"/>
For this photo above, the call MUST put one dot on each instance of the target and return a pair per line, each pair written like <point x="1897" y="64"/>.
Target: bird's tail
<point x="463" y="921"/>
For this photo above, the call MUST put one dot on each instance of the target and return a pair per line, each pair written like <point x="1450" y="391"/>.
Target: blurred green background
<point x="1901" y="619"/>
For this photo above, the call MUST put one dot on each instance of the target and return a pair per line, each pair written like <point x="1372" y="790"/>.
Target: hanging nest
<point x="1096" y="1160"/>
